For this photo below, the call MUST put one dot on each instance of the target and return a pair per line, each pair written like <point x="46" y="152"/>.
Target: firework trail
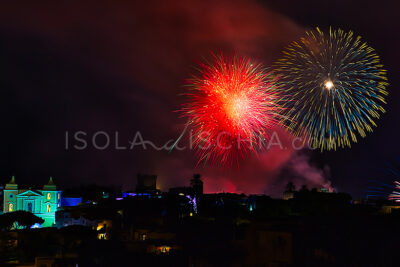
<point x="395" y="195"/>
<point x="334" y="88"/>
<point x="381" y="190"/>
<point x="231" y="105"/>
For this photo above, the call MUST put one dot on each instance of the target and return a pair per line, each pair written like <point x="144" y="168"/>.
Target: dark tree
<point x="22" y="219"/>
<point x="290" y="187"/>
<point x="6" y="222"/>
<point x="304" y="188"/>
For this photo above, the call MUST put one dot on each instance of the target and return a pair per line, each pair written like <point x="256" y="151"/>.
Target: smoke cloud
<point x="120" y="66"/>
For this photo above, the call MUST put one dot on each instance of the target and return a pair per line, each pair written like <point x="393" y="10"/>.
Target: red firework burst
<point x="231" y="106"/>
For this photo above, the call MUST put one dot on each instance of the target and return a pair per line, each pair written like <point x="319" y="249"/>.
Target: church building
<point x="43" y="203"/>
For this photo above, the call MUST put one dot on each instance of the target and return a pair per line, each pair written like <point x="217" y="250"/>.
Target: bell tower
<point x="10" y="196"/>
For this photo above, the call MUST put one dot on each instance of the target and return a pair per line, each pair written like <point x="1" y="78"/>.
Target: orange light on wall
<point x="101" y="236"/>
<point x="164" y="249"/>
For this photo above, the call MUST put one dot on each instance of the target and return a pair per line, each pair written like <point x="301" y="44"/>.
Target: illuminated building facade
<point x="43" y="203"/>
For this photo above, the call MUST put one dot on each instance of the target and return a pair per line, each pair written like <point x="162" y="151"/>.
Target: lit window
<point x="164" y="249"/>
<point x="101" y="236"/>
<point x="10" y="207"/>
<point x="58" y="196"/>
<point x="48" y="196"/>
<point x="48" y="208"/>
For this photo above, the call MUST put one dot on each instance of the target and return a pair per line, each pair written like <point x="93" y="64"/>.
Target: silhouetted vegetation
<point x="18" y="219"/>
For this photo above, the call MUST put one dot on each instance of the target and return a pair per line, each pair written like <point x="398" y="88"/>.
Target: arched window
<point x="48" y="196"/>
<point x="48" y="208"/>
<point x="10" y="207"/>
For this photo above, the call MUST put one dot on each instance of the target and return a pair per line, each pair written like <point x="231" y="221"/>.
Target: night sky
<point x="120" y="66"/>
